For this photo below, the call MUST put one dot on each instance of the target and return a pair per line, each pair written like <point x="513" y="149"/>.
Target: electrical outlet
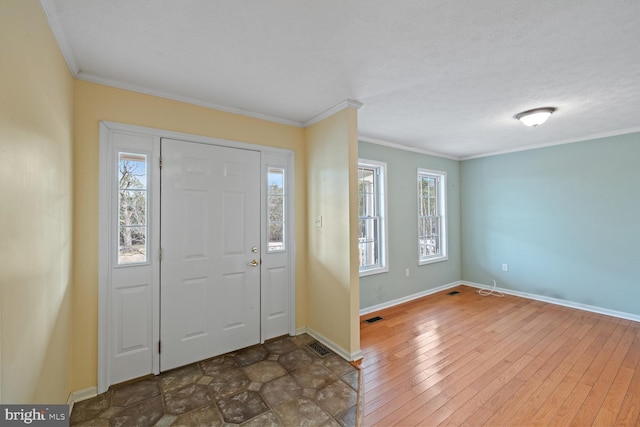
<point x="319" y="221"/>
<point x="406" y="272"/>
<point x="505" y="267"/>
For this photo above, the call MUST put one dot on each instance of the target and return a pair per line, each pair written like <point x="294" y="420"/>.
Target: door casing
<point x="270" y="156"/>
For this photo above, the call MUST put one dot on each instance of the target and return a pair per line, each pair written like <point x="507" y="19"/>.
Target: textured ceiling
<point x="444" y="77"/>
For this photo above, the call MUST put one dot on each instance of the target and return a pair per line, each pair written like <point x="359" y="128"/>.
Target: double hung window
<point x="372" y="228"/>
<point x="432" y="216"/>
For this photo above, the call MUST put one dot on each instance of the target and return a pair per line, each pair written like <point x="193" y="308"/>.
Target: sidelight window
<point x="132" y="208"/>
<point x="276" y="209"/>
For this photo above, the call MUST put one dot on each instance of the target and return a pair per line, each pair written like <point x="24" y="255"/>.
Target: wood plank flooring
<point x="470" y="360"/>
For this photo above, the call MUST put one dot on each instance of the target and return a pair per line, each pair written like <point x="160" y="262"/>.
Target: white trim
<point x="80" y="395"/>
<point x="405" y="147"/>
<point x="88" y="77"/>
<point x="590" y="137"/>
<point x="50" y="11"/>
<point x="550" y="300"/>
<point x="104" y="245"/>
<point x="167" y="134"/>
<point x="349" y="103"/>
<point x="350" y="357"/>
<point x="562" y="302"/>
<point x="407" y="298"/>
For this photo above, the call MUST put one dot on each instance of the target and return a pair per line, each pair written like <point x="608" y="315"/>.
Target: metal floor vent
<point x="453" y="293"/>
<point x="319" y="349"/>
<point x="373" y="319"/>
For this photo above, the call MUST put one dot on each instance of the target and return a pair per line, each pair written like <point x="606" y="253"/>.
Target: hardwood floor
<point x="470" y="360"/>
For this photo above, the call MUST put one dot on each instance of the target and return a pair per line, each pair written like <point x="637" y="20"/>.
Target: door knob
<point x="254" y="263"/>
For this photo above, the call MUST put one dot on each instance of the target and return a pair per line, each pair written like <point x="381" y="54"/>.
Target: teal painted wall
<point x="565" y="218"/>
<point x="403" y="228"/>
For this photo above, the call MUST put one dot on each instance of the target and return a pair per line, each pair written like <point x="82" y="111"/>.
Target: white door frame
<point x="105" y="245"/>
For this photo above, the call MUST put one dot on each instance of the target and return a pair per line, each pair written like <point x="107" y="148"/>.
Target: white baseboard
<point x="557" y="301"/>
<point x="550" y="300"/>
<point x="350" y="357"/>
<point x="408" y="298"/>
<point x="80" y="395"/>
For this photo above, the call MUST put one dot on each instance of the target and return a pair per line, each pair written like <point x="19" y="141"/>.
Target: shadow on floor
<point x="280" y="383"/>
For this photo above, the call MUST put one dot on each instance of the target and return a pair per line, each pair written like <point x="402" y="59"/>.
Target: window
<point x="276" y="210"/>
<point x="372" y="229"/>
<point x="432" y="216"/>
<point x="132" y="208"/>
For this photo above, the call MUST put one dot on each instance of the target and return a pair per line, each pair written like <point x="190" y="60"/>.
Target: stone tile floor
<point x="280" y="383"/>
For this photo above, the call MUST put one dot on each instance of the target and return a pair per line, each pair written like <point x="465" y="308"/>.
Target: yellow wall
<point x="36" y="124"/>
<point x="333" y="288"/>
<point x="94" y="103"/>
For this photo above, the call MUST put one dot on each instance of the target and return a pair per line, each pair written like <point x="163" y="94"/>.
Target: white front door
<point x="210" y="240"/>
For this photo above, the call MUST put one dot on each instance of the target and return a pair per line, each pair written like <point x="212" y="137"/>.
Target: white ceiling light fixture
<point x="536" y="116"/>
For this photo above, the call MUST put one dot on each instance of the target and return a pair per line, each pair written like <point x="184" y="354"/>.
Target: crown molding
<point x="88" y="77"/>
<point x="50" y="11"/>
<point x="397" y="146"/>
<point x="560" y="142"/>
<point x="349" y="103"/>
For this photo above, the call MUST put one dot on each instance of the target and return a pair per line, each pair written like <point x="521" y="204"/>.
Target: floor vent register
<point x="319" y="349"/>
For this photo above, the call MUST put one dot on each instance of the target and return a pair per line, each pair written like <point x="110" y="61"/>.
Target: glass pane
<point x="132" y="208"/>
<point x="132" y="245"/>
<point x="276" y="237"/>
<point x="369" y="242"/>
<point x="368" y="253"/>
<point x="367" y="177"/>
<point x="368" y="230"/>
<point x="276" y="181"/>
<point x="422" y="227"/>
<point x="132" y="171"/>
<point x="276" y="210"/>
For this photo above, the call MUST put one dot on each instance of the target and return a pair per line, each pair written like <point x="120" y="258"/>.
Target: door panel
<point x="210" y="213"/>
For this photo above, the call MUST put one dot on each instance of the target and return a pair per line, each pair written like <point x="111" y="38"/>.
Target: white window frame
<point x="441" y="203"/>
<point x="381" y="201"/>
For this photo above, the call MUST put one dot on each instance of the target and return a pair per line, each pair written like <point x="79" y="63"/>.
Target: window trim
<point x="442" y="196"/>
<point x="383" y="209"/>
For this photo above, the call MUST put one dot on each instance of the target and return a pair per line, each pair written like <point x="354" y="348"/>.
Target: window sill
<point x="371" y="272"/>
<point x="433" y="260"/>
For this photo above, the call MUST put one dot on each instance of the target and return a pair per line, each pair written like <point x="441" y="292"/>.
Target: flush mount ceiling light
<point x="536" y="116"/>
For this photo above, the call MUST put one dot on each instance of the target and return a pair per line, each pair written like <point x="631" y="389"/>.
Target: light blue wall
<point x="403" y="228"/>
<point x="565" y="218"/>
